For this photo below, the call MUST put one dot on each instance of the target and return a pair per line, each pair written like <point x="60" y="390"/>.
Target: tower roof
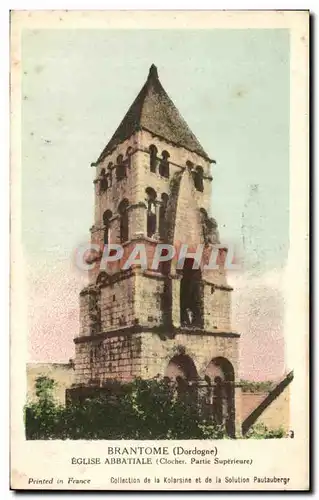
<point x="155" y="112"/>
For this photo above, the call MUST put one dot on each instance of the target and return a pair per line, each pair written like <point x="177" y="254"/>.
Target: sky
<point x="232" y="88"/>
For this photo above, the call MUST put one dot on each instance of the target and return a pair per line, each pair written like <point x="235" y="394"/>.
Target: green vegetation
<point x="249" y="386"/>
<point x="260" y="431"/>
<point x="143" y="409"/>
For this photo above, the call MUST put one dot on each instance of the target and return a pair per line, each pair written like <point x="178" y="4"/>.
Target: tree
<point x="142" y="409"/>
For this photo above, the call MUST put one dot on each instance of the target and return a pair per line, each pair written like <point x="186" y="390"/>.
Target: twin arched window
<point x="164" y="163"/>
<point x="122" y="164"/>
<point x="154" y="225"/>
<point x="123" y="213"/>
<point x="105" y="178"/>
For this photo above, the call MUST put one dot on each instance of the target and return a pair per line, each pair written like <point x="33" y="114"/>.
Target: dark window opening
<point x="103" y="181"/>
<point x="190" y="165"/>
<point x="181" y="366"/>
<point x="162" y="217"/>
<point x="153" y="158"/>
<point x="221" y="372"/>
<point x="106" y="222"/>
<point x="151" y="221"/>
<point x="120" y="168"/>
<point x="164" y="266"/>
<point x="109" y="174"/>
<point x="151" y="212"/>
<point x="218" y="401"/>
<point x="129" y="152"/>
<point x="191" y="296"/>
<point x="122" y="209"/>
<point x="164" y="165"/>
<point x="198" y="179"/>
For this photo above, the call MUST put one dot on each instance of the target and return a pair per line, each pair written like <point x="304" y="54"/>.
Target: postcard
<point x="159" y="250"/>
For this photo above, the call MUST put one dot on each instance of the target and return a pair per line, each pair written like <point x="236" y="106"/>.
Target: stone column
<point x="137" y="220"/>
<point x="238" y="415"/>
<point x="157" y="204"/>
<point x="176" y="309"/>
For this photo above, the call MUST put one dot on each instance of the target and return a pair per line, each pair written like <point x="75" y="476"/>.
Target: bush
<point x="42" y="417"/>
<point x="249" y="386"/>
<point x="260" y="431"/>
<point x="146" y="409"/>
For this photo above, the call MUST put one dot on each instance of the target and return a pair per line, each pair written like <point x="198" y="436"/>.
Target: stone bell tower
<point x="153" y="185"/>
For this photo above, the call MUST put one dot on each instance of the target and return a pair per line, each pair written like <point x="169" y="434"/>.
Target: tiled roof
<point x="155" y="112"/>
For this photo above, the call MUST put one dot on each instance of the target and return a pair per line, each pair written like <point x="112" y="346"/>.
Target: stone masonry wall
<point x="149" y="300"/>
<point x="117" y="357"/>
<point x="118" y="304"/>
<point x="125" y="356"/>
<point x="89" y="297"/>
<point x="216" y="309"/>
<point x="157" y="352"/>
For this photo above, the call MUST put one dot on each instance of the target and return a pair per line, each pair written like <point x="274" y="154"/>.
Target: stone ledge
<point x="110" y="279"/>
<point x="162" y="331"/>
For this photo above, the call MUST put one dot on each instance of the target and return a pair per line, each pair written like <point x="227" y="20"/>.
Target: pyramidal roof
<point x="155" y="112"/>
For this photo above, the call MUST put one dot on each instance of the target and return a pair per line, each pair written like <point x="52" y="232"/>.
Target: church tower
<point x="153" y="186"/>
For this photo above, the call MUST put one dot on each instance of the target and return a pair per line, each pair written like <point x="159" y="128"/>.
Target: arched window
<point x="203" y="213"/>
<point x="120" y="168"/>
<point x="198" y="178"/>
<point x="151" y="211"/>
<point x="182" y="366"/>
<point x="129" y="152"/>
<point x="103" y="181"/>
<point x="191" y="295"/>
<point x="122" y="210"/>
<point x="164" y="165"/>
<point x="106" y="222"/>
<point x="109" y="174"/>
<point x="190" y="165"/>
<point x="220" y="371"/>
<point x="162" y="216"/>
<point x="153" y="158"/>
